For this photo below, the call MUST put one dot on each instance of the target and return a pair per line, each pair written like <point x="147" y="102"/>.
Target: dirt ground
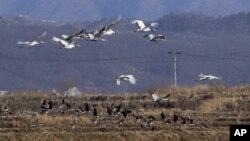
<point x="204" y="113"/>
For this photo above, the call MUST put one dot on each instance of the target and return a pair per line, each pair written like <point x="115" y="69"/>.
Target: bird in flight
<point x="208" y="77"/>
<point x="109" y="29"/>
<point x="129" y="78"/>
<point x="157" y="99"/>
<point x="77" y="35"/>
<point x="95" y="35"/>
<point x="67" y="44"/>
<point x="142" y="27"/>
<point x="33" y="42"/>
<point x="153" y="37"/>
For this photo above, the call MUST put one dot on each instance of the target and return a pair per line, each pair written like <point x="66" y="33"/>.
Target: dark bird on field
<point x="46" y="105"/>
<point x="94" y="112"/>
<point x="109" y="111"/>
<point x="87" y="107"/>
<point x="125" y="112"/>
<point x="117" y="108"/>
<point x="204" y="125"/>
<point x="175" y="118"/>
<point x="67" y="105"/>
<point x="150" y="118"/>
<point x="183" y="119"/>
<point x="163" y="116"/>
<point x="5" y="109"/>
<point x="190" y="120"/>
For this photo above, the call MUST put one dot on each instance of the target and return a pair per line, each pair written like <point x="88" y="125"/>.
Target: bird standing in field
<point x="163" y="116"/>
<point x="45" y="106"/>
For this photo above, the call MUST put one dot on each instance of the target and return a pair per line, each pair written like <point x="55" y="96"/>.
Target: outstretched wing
<point x="100" y="32"/>
<point x="165" y="98"/>
<point x="80" y="33"/>
<point x="39" y="38"/>
<point x="215" y="77"/>
<point x="151" y="36"/>
<point x="201" y="75"/>
<point x="118" y="81"/>
<point x="154" y="24"/>
<point x="113" y="23"/>
<point x="159" y="37"/>
<point x="63" y="42"/>
<point x="72" y="36"/>
<point x="140" y="24"/>
<point x="131" y="79"/>
<point x="155" y="97"/>
<point x="83" y="33"/>
<point x="43" y="35"/>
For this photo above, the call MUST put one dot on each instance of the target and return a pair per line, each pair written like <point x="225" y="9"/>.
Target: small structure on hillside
<point x="3" y="93"/>
<point x="74" y="91"/>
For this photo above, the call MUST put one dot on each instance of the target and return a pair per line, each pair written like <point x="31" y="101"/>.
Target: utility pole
<point x="175" y="74"/>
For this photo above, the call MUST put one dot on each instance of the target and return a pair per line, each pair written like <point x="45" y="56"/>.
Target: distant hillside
<point x="236" y="23"/>
<point x="218" y="46"/>
<point x="90" y="10"/>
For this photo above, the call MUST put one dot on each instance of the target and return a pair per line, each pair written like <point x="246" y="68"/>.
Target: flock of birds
<point x="118" y="112"/>
<point x="68" y="41"/>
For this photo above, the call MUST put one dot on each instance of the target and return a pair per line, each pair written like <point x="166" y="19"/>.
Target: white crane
<point x="109" y="29"/>
<point x="141" y="26"/>
<point x="77" y="35"/>
<point x="129" y="78"/>
<point x="65" y="44"/>
<point x="35" y="41"/>
<point x="153" y="37"/>
<point x="208" y="77"/>
<point x="95" y="35"/>
<point x="157" y="99"/>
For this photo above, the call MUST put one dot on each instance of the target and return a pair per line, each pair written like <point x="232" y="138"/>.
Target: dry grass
<point x="181" y="135"/>
<point x="216" y="105"/>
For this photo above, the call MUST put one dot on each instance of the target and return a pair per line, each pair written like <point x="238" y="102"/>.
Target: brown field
<point x="216" y="106"/>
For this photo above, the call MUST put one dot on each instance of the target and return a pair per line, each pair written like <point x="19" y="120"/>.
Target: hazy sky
<point x="89" y="10"/>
